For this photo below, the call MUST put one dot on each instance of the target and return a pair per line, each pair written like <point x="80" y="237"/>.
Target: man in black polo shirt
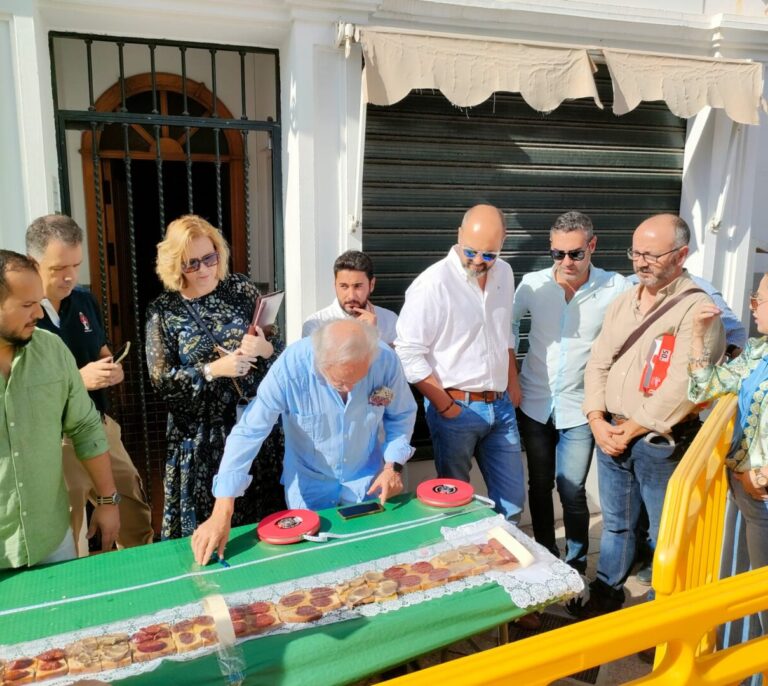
<point x="55" y="241"/>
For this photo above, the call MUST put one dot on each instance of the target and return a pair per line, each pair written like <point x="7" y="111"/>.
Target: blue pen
<point x="215" y="557"/>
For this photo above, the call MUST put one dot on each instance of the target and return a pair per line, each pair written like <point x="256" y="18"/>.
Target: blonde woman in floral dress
<point x="202" y="387"/>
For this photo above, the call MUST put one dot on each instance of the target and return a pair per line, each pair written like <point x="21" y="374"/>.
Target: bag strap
<point x="640" y="330"/>
<point x="209" y="333"/>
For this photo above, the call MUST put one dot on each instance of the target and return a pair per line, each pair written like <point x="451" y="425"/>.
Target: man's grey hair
<point x="573" y="221"/>
<point x="682" y="232"/>
<point x="333" y="347"/>
<point x="52" y="227"/>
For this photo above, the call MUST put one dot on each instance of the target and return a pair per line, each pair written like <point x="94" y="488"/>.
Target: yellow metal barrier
<point x="679" y="621"/>
<point x="689" y="604"/>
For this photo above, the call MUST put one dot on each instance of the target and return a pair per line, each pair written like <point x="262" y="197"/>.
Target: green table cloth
<point x="94" y="591"/>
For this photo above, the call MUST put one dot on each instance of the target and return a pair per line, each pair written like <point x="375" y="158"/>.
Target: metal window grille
<point x="156" y="152"/>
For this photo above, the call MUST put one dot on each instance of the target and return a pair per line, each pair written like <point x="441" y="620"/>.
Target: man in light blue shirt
<point x="333" y="391"/>
<point x="566" y="302"/>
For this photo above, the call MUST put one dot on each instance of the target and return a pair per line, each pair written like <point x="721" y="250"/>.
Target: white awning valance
<point x="468" y="71"/>
<point x="686" y="84"/>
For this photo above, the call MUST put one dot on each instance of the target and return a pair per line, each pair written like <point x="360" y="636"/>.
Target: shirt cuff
<point x="230" y="484"/>
<point x="416" y="368"/>
<point x="87" y="450"/>
<point x="399" y="451"/>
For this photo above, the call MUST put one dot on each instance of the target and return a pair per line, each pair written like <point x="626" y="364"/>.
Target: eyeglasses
<point x="755" y="302"/>
<point x="575" y="255"/>
<point x="649" y="257"/>
<point x="471" y="254"/>
<point x="209" y="260"/>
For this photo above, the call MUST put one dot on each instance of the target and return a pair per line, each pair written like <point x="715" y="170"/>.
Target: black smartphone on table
<point x="360" y="510"/>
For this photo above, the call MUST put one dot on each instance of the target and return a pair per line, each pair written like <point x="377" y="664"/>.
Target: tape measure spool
<point x="445" y="492"/>
<point x="288" y="526"/>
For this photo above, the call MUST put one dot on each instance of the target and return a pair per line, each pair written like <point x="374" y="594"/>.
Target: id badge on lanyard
<point x="657" y="363"/>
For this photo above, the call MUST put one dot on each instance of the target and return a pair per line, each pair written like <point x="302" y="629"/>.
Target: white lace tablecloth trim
<point x="546" y="581"/>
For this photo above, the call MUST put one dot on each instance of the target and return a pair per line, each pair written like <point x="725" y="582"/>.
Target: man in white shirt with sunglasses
<point x="455" y="340"/>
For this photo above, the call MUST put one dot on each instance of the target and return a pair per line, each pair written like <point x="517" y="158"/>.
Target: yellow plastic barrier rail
<point x="691" y="529"/>
<point x="680" y="621"/>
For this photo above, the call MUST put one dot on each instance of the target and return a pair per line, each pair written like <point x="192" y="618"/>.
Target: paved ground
<point x="610" y="674"/>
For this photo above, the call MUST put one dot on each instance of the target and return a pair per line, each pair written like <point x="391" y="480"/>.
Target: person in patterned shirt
<point x="747" y="459"/>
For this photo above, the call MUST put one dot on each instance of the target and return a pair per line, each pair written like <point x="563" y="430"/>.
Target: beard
<point x="14" y="339"/>
<point x="349" y="304"/>
<point x="476" y="270"/>
<point x="657" y="279"/>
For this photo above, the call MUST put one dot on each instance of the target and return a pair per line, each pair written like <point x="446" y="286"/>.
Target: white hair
<point x="344" y="341"/>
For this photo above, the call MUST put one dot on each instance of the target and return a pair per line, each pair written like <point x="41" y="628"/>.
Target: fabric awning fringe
<point x="468" y="70"/>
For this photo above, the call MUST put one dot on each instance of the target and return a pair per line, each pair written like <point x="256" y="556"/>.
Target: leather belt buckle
<point x="474" y="396"/>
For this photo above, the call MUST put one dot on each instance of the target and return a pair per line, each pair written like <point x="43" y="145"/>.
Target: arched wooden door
<point x="174" y="170"/>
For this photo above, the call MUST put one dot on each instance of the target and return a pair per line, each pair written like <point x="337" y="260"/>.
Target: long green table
<point x="337" y="653"/>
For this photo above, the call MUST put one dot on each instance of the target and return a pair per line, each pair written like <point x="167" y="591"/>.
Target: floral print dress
<point x="751" y="448"/>
<point x="201" y="414"/>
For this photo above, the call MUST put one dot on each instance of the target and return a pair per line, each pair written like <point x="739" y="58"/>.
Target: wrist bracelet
<point x="591" y="419"/>
<point x="453" y="402"/>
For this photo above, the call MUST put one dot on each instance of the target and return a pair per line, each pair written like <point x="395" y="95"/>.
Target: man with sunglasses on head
<point x="636" y="397"/>
<point x="55" y="241"/>
<point x="455" y="340"/>
<point x="354" y="282"/>
<point x="566" y="303"/>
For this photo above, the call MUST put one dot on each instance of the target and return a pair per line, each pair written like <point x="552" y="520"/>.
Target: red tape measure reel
<point x="288" y="526"/>
<point x="445" y="492"/>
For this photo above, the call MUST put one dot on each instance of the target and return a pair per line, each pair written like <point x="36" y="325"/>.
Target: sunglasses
<point x="209" y="260"/>
<point x="575" y="255"/>
<point x="755" y="302"/>
<point x="471" y="254"/>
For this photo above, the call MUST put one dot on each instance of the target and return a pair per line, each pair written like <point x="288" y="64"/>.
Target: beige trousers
<point x="135" y="515"/>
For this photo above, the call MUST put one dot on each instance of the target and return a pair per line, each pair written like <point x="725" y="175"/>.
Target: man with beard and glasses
<point x="635" y="397"/>
<point x="455" y="340"/>
<point x="43" y="397"/>
<point x="354" y="282"/>
<point x="566" y="303"/>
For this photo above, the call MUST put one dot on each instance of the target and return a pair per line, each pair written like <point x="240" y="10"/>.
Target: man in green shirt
<point x="43" y="396"/>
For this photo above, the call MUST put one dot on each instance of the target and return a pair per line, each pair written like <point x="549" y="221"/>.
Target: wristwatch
<point x="396" y="466"/>
<point x="761" y="479"/>
<point x="207" y="372"/>
<point x="113" y="499"/>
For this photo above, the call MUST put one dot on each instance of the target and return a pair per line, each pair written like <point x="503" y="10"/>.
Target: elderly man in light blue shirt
<point x="333" y="391"/>
<point x="566" y="303"/>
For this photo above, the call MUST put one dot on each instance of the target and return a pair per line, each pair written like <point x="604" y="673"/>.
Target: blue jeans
<point x="639" y="475"/>
<point x="559" y="457"/>
<point x="755" y="516"/>
<point x="489" y="432"/>
<point x="735" y="560"/>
